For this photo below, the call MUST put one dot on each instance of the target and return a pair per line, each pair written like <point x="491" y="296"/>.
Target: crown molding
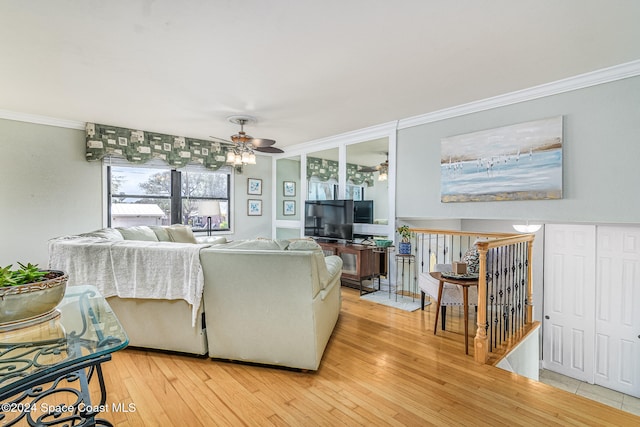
<point x="41" y="120"/>
<point x="360" y="135"/>
<point x="581" y="81"/>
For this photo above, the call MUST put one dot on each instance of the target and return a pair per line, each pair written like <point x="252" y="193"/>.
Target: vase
<point x="404" y="248"/>
<point x="32" y="302"/>
<point x="472" y="259"/>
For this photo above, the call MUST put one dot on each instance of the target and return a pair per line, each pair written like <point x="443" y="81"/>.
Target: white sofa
<point x="261" y="301"/>
<point x="271" y="306"/>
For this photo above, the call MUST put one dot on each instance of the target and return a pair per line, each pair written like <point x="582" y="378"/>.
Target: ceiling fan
<point x="244" y="143"/>
<point x="383" y="168"/>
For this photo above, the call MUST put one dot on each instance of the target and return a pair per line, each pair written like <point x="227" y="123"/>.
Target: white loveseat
<point x="260" y="301"/>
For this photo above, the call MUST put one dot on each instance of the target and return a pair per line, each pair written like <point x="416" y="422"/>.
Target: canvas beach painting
<point x="517" y="162"/>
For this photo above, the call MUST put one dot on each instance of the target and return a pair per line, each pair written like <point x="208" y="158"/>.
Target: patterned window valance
<point x="140" y="146"/>
<point x="325" y="170"/>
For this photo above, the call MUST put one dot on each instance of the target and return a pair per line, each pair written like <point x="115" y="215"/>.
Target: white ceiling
<point x="306" y="69"/>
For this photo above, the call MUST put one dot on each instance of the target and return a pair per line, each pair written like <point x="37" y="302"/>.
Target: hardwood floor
<point x="382" y="366"/>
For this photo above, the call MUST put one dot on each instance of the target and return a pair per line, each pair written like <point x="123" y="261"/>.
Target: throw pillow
<point x="304" y="245"/>
<point x="181" y="233"/>
<point x="212" y="240"/>
<point x="105" y="233"/>
<point x="257" y="245"/>
<point x="140" y="232"/>
<point x="161" y="233"/>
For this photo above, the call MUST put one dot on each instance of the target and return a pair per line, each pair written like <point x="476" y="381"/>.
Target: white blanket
<point x="133" y="269"/>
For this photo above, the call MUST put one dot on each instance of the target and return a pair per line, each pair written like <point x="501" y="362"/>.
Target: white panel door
<point x="617" y="342"/>
<point x="569" y="300"/>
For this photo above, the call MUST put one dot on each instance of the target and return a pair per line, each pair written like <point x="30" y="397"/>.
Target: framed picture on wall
<point x="289" y="207"/>
<point x="289" y="188"/>
<point x="254" y="207"/>
<point x="522" y="161"/>
<point x="254" y="186"/>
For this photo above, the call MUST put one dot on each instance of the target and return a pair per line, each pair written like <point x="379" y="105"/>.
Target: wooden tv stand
<point x="359" y="263"/>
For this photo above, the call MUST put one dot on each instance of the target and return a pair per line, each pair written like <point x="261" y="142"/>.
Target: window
<point x="329" y="190"/>
<point x="198" y="190"/>
<point x="354" y="192"/>
<point x="321" y="190"/>
<point x="156" y="195"/>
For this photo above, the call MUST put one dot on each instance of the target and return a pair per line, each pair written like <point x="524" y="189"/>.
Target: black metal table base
<point x="35" y="402"/>
<point x="357" y="284"/>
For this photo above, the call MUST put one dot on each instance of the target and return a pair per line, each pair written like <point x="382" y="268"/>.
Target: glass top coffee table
<point x="40" y="363"/>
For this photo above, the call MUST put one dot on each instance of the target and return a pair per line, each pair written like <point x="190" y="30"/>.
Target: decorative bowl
<point x="33" y="301"/>
<point x="382" y="243"/>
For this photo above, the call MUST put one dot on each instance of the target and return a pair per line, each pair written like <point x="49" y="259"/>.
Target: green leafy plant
<point x="25" y="274"/>
<point x="405" y="233"/>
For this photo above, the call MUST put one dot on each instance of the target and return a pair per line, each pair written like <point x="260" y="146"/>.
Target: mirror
<point x="322" y="175"/>
<point x="367" y="164"/>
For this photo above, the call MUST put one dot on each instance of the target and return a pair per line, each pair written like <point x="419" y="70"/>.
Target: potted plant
<point x="29" y="293"/>
<point x="404" y="248"/>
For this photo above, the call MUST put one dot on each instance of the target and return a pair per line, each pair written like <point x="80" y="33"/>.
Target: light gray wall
<point x="600" y="153"/>
<point x="250" y="227"/>
<point x="600" y="160"/>
<point x="48" y="189"/>
<point x="288" y="170"/>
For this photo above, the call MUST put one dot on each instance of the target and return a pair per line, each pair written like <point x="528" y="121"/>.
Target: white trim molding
<point x="352" y="137"/>
<point x="42" y="120"/>
<point x="605" y="75"/>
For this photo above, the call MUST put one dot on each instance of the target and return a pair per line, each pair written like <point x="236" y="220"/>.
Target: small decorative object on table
<point x="382" y="243"/>
<point x="404" y="248"/>
<point x="472" y="259"/>
<point x="459" y="267"/>
<point x="462" y="276"/>
<point x="29" y="295"/>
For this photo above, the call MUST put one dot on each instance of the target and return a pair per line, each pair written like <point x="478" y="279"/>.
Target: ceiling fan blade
<point x="370" y="169"/>
<point x="268" y="149"/>
<point x="262" y="142"/>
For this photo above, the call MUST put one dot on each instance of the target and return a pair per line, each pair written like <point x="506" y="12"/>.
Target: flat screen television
<point x="329" y="219"/>
<point x="363" y="211"/>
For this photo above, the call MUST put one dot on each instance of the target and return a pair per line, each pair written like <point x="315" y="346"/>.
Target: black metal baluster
<point x="519" y="305"/>
<point x="517" y="294"/>
<point x="510" y="304"/>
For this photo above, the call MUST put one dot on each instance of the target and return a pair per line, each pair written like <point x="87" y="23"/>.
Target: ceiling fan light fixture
<point x="231" y="157"/>
<point x="242" y="146"/>
<point x="383" y="176"/>
<point x="245" y="157"/>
